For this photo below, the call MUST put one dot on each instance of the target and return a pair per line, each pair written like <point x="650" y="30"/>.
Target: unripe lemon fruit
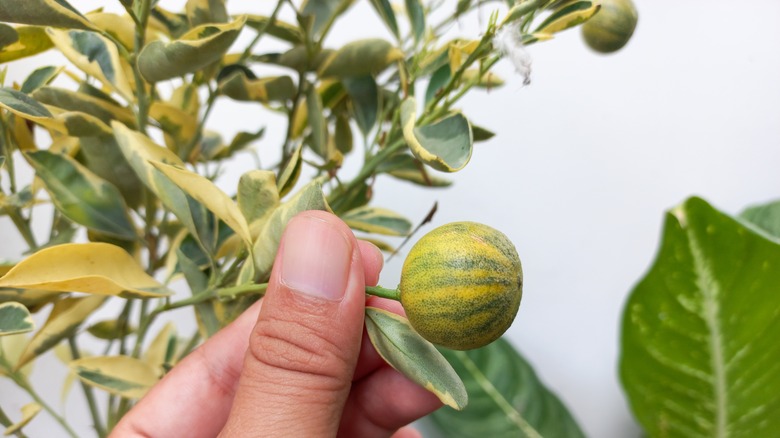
<point x="612" y="26"/>
<point x="461" y="285"/>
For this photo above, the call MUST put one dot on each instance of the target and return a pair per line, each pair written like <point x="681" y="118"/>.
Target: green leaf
<point x="507" y="399"/>
<point x="299" y="60"/>
<point x="239" y="86"/>
<point x="102" y="156"/>
<point x="318" y="137"/>
<point x="279" y="29"/>
<point x="139" y="150"/>
<point x="342" y="134"/>
<point x="439" y="79"/>
<point x="82" y="196"/>
<point x="95" y="55"/>
<point x="257" y="194"/>
<point x="481" y="134"/>
<point x="28" y="108"/>
<point x="56" y="13"/>
<point x="75" y="101"/>
<point x="310" y="197"/>
<point x="416" y="14"/>
<point x="570" y="15"/>
<point x="39" y="78"/>
<point x="406" y="351"/>
<point x="206" y="11"/>
<point x="208" y="194"/>
<point x="65" y="318"/>
<point x="445" y="145"/>
<point x="406" y="167"/>
<point x="15" y="318"/>
<point x="109" y="330"/>
<point x="323" y="12"/>
<point x="29" y="411"/>
<point x="93" y="268"/>
<point x="378" y="221"/>
<point x="205" y="315"/>
<point x="364" y="97"/>
<point x="360" y="58"/>
<point x="385" y="10"/>
<point x="8" y="35"/>
<point x="766" y="217"/>
<point x="289" y="175"/>
<point x="196" y="49"/>
<point x="699" y="348"/>
<point x="124" y="376"/>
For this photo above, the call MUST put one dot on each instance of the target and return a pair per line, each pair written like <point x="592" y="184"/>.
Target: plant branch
<point x="21" y="381"/>
<point x="261" y="32"/>
<point x="88" y="393"/>
<point x="383" y="292"/>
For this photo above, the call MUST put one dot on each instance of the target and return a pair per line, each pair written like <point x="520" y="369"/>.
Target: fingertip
<point x="373" y="261"/>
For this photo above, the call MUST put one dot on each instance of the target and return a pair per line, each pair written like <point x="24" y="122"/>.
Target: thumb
<point x="302" y="352"/>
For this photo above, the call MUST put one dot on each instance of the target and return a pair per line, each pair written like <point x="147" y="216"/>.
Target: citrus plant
<point x="127" y="170"/>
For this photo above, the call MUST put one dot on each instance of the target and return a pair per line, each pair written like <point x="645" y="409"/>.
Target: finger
<point x="195" y="398"/>
<point x="303" y="349"/>
<point x="369" y="359"/>
<point x="383" y="402"/>
<point x="407" y="432"/>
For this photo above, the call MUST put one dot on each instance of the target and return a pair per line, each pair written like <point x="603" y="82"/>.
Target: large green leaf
<point x="360" y="58"/>
<point x="14" y="319"/>
<point x="364" y="97"/>
<point x="40" y="77"/>
<point x="699" y="349"/>
<point x="102" y="156"/>
<point x="323" y="12"/>
<point x="32" y="40"/>
<point x="82" y="196"/>
<point x="8" y="35"/>
<point x="414" y="9"/>
<point x="445" y="145"/>
<point x="766" y="217"/>
<point x="506" y="398"/>
<point x="257" y="194"/>
<point x="405" y="350"/>
<point x="385" y="10"/>
<point x="196" y="49"/>
<point x="56" y="13"/>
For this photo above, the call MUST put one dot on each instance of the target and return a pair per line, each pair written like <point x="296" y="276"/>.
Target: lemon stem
<point x="383" y="292"/>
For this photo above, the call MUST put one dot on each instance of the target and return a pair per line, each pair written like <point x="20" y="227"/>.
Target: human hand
<point x="298" y="362"/>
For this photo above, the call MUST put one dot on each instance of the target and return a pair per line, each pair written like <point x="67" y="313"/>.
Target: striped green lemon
<point x="461" y="285"/>
<point x="612" y="26"/>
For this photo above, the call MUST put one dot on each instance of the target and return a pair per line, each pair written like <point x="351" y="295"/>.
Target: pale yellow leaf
<point x="29" y="411"/>
<point x="120" y="375"/>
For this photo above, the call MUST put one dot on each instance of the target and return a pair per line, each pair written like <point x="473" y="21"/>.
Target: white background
<point x="586" y="160"/>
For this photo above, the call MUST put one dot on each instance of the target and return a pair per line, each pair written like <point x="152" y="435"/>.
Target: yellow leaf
<point x="12" y="348"/>
<point x="29" y="411"/>
<point x="120" y="375"/>
<point x="157" y="352"/>
<point x="93" y="268"/>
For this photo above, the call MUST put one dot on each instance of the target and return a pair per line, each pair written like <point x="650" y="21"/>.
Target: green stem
<point x="244" y="289"/>
<point x="22" y="382"/>
<point x="383" y="292"/>
<point x="6" y="422"/>
<point x="88" y="393"/>
<point x="261" y="32"/>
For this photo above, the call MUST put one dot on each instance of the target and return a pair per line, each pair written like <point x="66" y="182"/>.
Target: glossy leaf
<point x="568" y="16"/>
<point x="766" y="217"/>
<point x="310" y="197"/>
<point x="29" y="411"/>
<point x="364" y="98"/>
<point x="406" y="351"/>
<point x="65" y="318"/>
<point x="82" y="196"/>
<point x="14" y="319"/>
<point x="196" y="49"/>
<point x="506" y="398"/>
<point x="124" y="376"/>
<point x="279" y="29"/>
<point x="378" y="221"/>
<point x="56" y="13"/>
<point x="239" y="87"/>
<point x="257" y="194"/>
<point x="699" y="346"/>
<point x="208" y="194"/>
<point x="361" y="58"/>
<point x="445" y="145"/>
<point x="32" y="40"/>
<point x="414" y="9"/>
<point x="93" y="268"/>
<point x="95" y="55"/>
<point x="385" y="11"/>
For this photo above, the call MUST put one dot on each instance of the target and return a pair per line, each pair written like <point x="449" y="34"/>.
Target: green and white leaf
<point x="29" y="411"/>
<point x="161" y="350"/>
<point x="699" y="348"/>
<point x="289" y="175"/>
<point x="445" y="145"/>
<point x="93" y="268"/>
<point x="198" y="48"/>
<point x="8" y="35"/>
<point x="14" y="319"/>
<point x="257" y="194"/>
<point x="208" y="194"/>
<point x="82" y="196"/>
<point x="124" y="376"/>
<point x="318" y="135"/>
<point x="385" y="11"/>
<point x="55" y="13"/>
<point x="406" y="351"/>
<point x="310" y="197"/>
<point x="31" y="40"/>
<point x="40" y="77"/>
<point x="322" y="12"/>
<point x="95" y="55"/>
<point x="570" y="15"/>
<point x="70" y="100"/>
<point x="65" y="318"/>
<point x="360" y="58"/>
<point x="378" y="221"/>
<point x="28" y="108"/>
<point x="406" y="167"/>
<point x="416" y="13"/>
<point x="506" y="398"/>
<point x="206" y="11"/>
<point x="239" y="87"/>
<point x="765" y="216"/>
<point x="279" y="29"/>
